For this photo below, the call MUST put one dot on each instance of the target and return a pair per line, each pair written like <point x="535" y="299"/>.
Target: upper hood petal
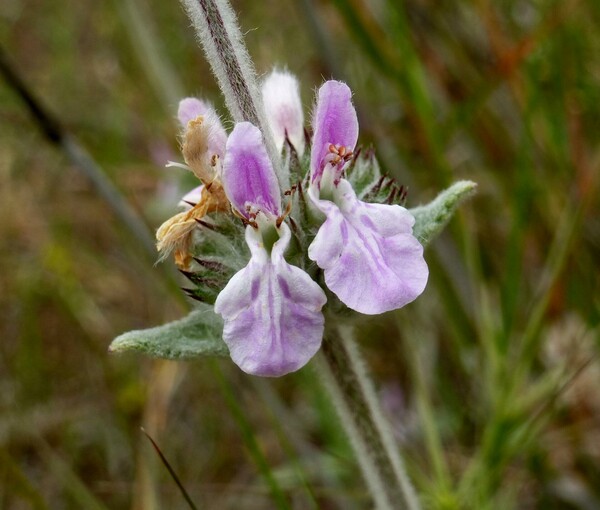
<point x="248" y="175"/>
<point x="334" y="122"/>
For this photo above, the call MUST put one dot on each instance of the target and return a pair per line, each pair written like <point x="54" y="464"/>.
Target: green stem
<point x="344" y="376"/>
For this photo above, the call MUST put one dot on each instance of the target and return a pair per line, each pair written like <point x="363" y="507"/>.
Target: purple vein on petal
<point x="272" y="312"/>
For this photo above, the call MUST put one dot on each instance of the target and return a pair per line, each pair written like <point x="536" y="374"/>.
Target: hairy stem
<point x="220" y="36"/>
<point x="345" y="377"/>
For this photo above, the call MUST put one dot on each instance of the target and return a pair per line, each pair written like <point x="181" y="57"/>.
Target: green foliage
<point x="494" y="369"/>
<point x="197" y="335"/>
<point x="431" y="219"/>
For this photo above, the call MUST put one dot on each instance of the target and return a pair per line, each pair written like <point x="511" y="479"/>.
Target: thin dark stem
<point x="50" y="127"/>
<point x="172" y="472"/>
<point x="56" y="134"/>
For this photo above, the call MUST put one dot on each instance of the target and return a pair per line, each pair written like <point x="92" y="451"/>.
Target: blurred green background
<point x="491" y="379"/>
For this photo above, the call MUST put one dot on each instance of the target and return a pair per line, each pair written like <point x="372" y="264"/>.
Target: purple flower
<point x="190" y="108"/>
<point x="369" y="256"/>
<point x="203" y="148"/>
<point x="273" y="322"/>
<point x="281" y="98"/>
<point x="272" y="310"/>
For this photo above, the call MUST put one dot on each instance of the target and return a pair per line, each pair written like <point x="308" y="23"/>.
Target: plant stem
<point x="219" y="33"/>
<point x="344" y="376"/>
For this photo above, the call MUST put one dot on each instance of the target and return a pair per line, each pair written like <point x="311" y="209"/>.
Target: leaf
<point x="430" y="219"/>
<point x="196" y="335"/>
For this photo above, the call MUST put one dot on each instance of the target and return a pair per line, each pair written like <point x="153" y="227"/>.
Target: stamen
<point x="288" y="206"/>
<point x="286" y="212"/>
<point x="290" y="192"/>
<point x="250" y="220"/>
<point x="340" y="153"/>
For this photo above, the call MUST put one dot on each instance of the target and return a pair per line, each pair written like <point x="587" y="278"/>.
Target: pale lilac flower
<point x="189" y="111"/>
<point x="283" y="107"/>
<point x="272" y="310"/>
<point x="191" y="108"/>
<point x="369" y="256"/>
<point x="203" y="148"/>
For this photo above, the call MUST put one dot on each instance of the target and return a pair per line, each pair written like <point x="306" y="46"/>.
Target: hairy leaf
<point x="194" y="336"/>
<point x="430" y="219"/>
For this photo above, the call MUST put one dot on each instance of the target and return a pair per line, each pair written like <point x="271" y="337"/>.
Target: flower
<point x="369" y="256"/>
<point x="203" y="148"/>
<point x="281" y="97"/>
<point x="272" y="310"/>
<point x="204" y="138"/>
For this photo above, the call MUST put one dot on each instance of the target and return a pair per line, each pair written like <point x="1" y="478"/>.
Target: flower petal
<point x="190" y="109"/>
<point x="281" y="98"/>
<point x="248" y="176"/>
<point x="371" y="260"/>
<point x="272" y="311"/>
<point x="334" y="122"/>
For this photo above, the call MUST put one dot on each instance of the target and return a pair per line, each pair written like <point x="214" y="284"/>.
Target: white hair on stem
<point x="219" y="33"/>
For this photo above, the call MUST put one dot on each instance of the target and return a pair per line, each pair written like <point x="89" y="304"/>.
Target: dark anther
<point x="290" y="191"/>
